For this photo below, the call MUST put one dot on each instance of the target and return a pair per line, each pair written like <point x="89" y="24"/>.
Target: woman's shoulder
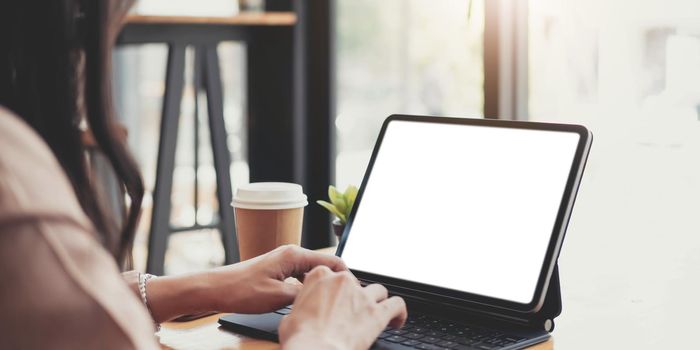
<point x="46" y="244"/>
<point x="19" y="142"/>
<point x="32" y="181"/>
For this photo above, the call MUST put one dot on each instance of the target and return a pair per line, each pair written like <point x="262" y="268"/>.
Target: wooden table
<point x="205" y="333"/>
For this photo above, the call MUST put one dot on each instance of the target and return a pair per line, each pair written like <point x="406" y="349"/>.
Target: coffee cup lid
<point x="269" y="195"/>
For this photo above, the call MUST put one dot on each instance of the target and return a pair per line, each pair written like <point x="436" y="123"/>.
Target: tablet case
<point x="266" y="328"/>
<point x="541" y="320"/>
<point x="551" y="308"/>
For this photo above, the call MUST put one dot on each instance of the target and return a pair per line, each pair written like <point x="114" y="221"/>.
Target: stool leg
<point x="160" y="220"/>
<point x="197" y="73"/>
<point x="219" y="145"/>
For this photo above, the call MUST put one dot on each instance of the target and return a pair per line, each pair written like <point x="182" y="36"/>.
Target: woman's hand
<point x="258" y="285"/>
<point x="253" y="286"/>
<point x="334" y="312"/>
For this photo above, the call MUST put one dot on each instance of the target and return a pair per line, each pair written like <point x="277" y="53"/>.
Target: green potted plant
<point x="340" y="205"/>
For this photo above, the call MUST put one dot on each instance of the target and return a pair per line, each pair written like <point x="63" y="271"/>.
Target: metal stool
<point x="206" y="77"/>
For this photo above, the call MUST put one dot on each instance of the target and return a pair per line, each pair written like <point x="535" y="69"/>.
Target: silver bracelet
<point x="143" y="278"/>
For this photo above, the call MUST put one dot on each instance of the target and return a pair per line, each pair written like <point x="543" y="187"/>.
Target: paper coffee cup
<point x="268" y="215"/>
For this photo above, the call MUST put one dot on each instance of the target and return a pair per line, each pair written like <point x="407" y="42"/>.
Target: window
<point x="630" y="71"/>
<point x="402" y="56"/>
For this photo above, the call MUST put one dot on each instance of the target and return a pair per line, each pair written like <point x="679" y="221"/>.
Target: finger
<point x="283" y="294"/>
<point x="377" y="292"/>
<point x="299" y="261"/>
<point x="317" y="274"/>
<point x="310" y="259"/>
<point x="394" y="312"/>
<point x="348" y="277"/>
<point x="289" y="291"/>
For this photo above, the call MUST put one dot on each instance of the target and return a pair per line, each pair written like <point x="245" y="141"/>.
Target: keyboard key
<point x="464" y="347"/>
<point x="397" y="332"/>
<point x="395" y="339"/>
<point x="384" y="335"/>
<point x="411" y="342"/>
<point x="435" y="334"/>
<point x="465" y="341"/>
<point x="430" y="340"/>
<point x="433" y="324"/>
<point x="483" y="346"/>
<point x="427" y="347"/>
<point x="491" y="340"/>
<point x="448" y="337"/>
<point x="447" y="344"/>
<point x="413" y="335"/>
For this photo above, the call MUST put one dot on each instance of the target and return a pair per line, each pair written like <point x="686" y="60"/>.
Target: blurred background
<point x="628" y="70"/>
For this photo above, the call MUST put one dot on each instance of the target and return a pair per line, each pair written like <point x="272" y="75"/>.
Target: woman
<point x="60" y="256"/>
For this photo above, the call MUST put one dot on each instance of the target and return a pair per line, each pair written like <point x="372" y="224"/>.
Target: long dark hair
<point x="55" y="71"/>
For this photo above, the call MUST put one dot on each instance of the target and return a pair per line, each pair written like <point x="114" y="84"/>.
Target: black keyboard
<point x="429" y="333"/>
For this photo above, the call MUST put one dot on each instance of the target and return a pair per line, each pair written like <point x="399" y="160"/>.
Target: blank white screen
<point x="469" y="208"/>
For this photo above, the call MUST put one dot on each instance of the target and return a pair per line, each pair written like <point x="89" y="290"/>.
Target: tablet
<point x="469" y="210"/>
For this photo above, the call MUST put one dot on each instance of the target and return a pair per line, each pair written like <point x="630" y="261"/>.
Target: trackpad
<point x="259" y="326"/>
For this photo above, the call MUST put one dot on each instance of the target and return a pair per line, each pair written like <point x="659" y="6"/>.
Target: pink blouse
<point x="59" y="288"/>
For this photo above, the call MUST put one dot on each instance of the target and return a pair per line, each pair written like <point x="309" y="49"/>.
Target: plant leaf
<point x="332" y="191"/>
<point x="350" y="195"/>
<point x="331" y="208"/>
<point x="337" y="199"/>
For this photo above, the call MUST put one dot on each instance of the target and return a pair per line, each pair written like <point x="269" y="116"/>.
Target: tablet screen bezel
<point x="467" y="299"/>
